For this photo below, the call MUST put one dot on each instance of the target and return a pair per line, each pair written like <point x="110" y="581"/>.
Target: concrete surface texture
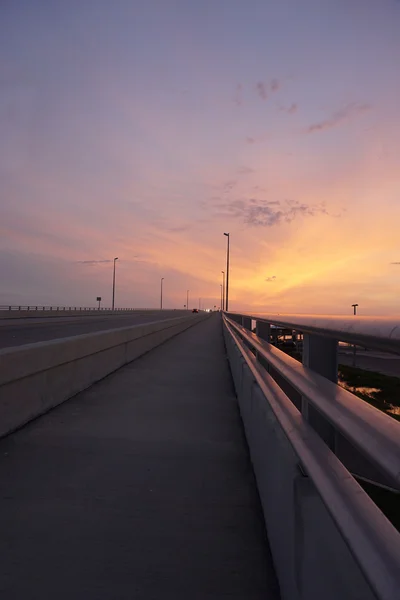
<point x="139" y="488"/>
<point x="37" y="377"/>
<point x="16" y="332"/>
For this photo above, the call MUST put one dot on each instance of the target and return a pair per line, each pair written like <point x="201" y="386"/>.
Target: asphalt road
<point x="16" y="332"/>
<point x="381" y="362"/>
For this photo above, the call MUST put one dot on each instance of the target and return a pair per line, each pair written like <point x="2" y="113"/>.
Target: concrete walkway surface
<point x="139" y="488"/>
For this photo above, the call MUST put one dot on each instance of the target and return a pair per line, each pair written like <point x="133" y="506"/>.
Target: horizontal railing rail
<point x="381" y="333"/>
<point x="372" y="540"/>
<point x="375" y="435"/>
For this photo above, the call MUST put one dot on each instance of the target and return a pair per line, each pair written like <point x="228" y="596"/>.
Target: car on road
<point x="195" y="310"/>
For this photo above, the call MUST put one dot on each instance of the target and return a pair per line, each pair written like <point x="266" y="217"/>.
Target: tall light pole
<point x="199" y="303"/>
<point x="227" y="274"/>
<point x="354" y="348"/>
<point x="113" y="295"/>
<point x="162" y="279"/>
<point x="223" y="290"/>
<point x="187" y="299"/>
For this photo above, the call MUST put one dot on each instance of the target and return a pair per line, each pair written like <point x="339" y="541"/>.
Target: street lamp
<point x="223" y="289"/>
<point x="227" y="273"/>
<point x="187" y="299"/>
<point x="113" y="294"/>
<point x="354" y="348"/>
<point x="162" y="279"/>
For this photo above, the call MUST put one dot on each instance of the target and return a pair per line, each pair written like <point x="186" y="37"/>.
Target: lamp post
<point x="227" y="274"/>
<point x="354" y="348"/>
<point x="187" y="299"/>
<point x="162" y="279"/>
<point x="199" y="303"/>
<point x="113" y="294"/>
<point x="223" y="290"/>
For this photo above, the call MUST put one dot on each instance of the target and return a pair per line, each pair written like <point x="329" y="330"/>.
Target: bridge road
<point x="140" y="487"/>
<point x="16" y="332"/>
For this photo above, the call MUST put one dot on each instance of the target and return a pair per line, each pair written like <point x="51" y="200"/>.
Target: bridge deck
<point x="140" y="487"/>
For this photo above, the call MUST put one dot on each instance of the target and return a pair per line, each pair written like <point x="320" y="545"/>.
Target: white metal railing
<point x="332" y="434"/>
<point x="366" y="440"/>
<point x="381" y="333"/>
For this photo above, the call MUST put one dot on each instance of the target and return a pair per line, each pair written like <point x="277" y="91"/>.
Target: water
<point x="370" y="392"/>
<point x="366" y="391"/>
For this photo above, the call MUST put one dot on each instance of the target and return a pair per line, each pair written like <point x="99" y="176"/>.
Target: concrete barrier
<point x="37" y="377"/>
<point x="40" y="314"/>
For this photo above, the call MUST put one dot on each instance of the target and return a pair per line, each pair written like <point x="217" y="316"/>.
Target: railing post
<point x="246" y="322"/>
<point x="263" y="330"/>
<point x="320" y="354"/>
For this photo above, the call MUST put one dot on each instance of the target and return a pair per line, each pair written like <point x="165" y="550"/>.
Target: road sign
<point x="98" y="299"/>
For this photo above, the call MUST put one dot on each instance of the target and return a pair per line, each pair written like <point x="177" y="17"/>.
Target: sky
<point x="145" y="129"/>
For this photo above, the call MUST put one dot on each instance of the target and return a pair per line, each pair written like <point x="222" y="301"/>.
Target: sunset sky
<point x="144" y="129"/>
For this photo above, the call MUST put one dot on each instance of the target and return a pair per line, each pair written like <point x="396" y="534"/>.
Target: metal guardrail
<point x="320" y="419"/>
<point x="381" y="333"/>
<point x="365" y="439"/>
<point x="63" y="308"/>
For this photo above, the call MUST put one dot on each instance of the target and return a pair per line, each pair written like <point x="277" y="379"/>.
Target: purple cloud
<point x="238" y="97"/>
<point x="264" y="213"/>
<point x="289" y="110"/>
<point x="261" y="90"/>
<point x="275" y="85"/>
<point x="245" y="170"/>
<point x="352" y="110"/>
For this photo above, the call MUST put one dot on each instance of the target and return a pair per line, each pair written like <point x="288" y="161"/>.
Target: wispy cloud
<point x="348" y="112"/>
<point x="93" y="262"/>
<point x="271" y="279"/>
<point x="275" y="85"/>
<point x="238" y="96"/>
<point x="397" y="262"/>
<point x="290" y="110"/>
<point x="228" y="186"/>
<point x="258" y="139"/>
<point x="245" y="170"/>
<point x="264" y="213"/>
<point x="261" y="90"/>
<point x="180" y="228"/>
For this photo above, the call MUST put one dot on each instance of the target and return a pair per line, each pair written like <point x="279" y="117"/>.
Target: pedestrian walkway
<point x="139" y="488"/>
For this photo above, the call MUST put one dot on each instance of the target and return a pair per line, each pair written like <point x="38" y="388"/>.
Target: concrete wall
<point x="35" y="314"/>
<point x="37" y="377"/>
<point x="311" y="557"/>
